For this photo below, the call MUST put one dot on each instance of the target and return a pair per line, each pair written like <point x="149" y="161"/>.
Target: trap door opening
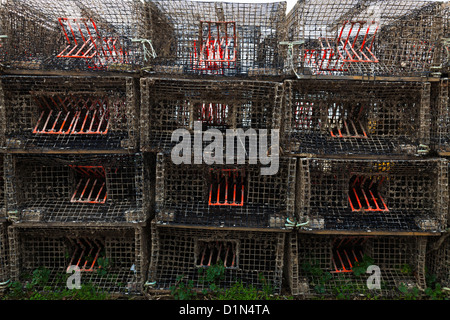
<point x="365" y="193"/>
<point x="72" y="115"/>
<point x="91" y="186"/>
<point x="85" y="253"/>
<point x="212" y="252"/>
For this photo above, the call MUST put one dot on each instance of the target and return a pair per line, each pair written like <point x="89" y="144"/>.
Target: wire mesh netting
<point x="366" y="37"/>
<point x="69" y="113"/>
<point x="86" y="35"/>
<point x="446" y="38"/>
<point x="327" y="265"/>
<point x="438" y="260"/>
<point x="253" y="258"/>
<point x="112" y="260"/>
<point x="4" y="252"/>
<point x="216" y="38"/>
<point x="169" y="104"/>
<point x="224" y="195"/>
<point x="440" y="130"/>
<point x="84" y="189"/>
<point x="390" y="195"/>
<point x="357" y="117"/>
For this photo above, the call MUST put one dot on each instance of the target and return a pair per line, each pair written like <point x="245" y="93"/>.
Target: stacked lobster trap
<point x="82" y="35"/>
<point x="372" y="186"/>
<point x="69" y="113"/>
<point x="77" y="189"/>
<point x="216" y="38"/>
<point x="146" y="142"/>
<point x="342" y="117"/>
<point x="213" y="183"/>
<point x="111" y="259"/>
<point x="213" y="205"/>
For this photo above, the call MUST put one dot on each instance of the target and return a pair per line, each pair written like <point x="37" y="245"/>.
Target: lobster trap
<point x="81" y="189"/>
<point x="321" y="265"/>
<point x="379" y="38"/>
<point x="2" y="188"/>
<point x="446" y="39"/>
<point x="231" y="196"/>
<point x="169" y="104"/>
<point x="216" y="38"/>
<point x="86" y="35"/>
<point x="348" y="117"/>
<point x="70" y="113"/>
<point x="438" y="260"/>
<point x="111" y="259"/>
<point x="180" y="255"/>
<point x="373" y="195"/>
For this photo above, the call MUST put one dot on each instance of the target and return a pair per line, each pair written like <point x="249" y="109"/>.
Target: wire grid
<point x="316" y="269"/>
<point x="184" y="192"/>
<point x="440" y="130"/>
<point x="179" y="37"/>
<point x="4" y="246"/>
<point x="325" y="117"/>
<point x="170" y="104"/>
<point x="415" y="193"/>
<point x="176" y="253"/>
<point x="438" y="260"/>
<point x="69" y="113"/>
<point x="87" y="35"/>
<point x="119" y="268"/>
<point x="353" y="37"/>
<point x="43" y="188"/>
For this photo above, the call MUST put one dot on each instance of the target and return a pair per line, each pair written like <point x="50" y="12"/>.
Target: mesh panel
<point x="86" y="35"/>
<point x="69" y="113"/>
<point x="366" y="37"/>
<point x="401" y="261"/>
<point x="192" y="38"/>
<point x="110" y="254"/>
<point x="168" y="105"/>
<point x="4" y="252"/>
<point x="348" y="194"/>
<point x="441" y="119"/>
<point x="177" y="252"/>
<point x="353" y="117"/>
<point x="61" y="188"/>
<point x="188" y="194"/>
